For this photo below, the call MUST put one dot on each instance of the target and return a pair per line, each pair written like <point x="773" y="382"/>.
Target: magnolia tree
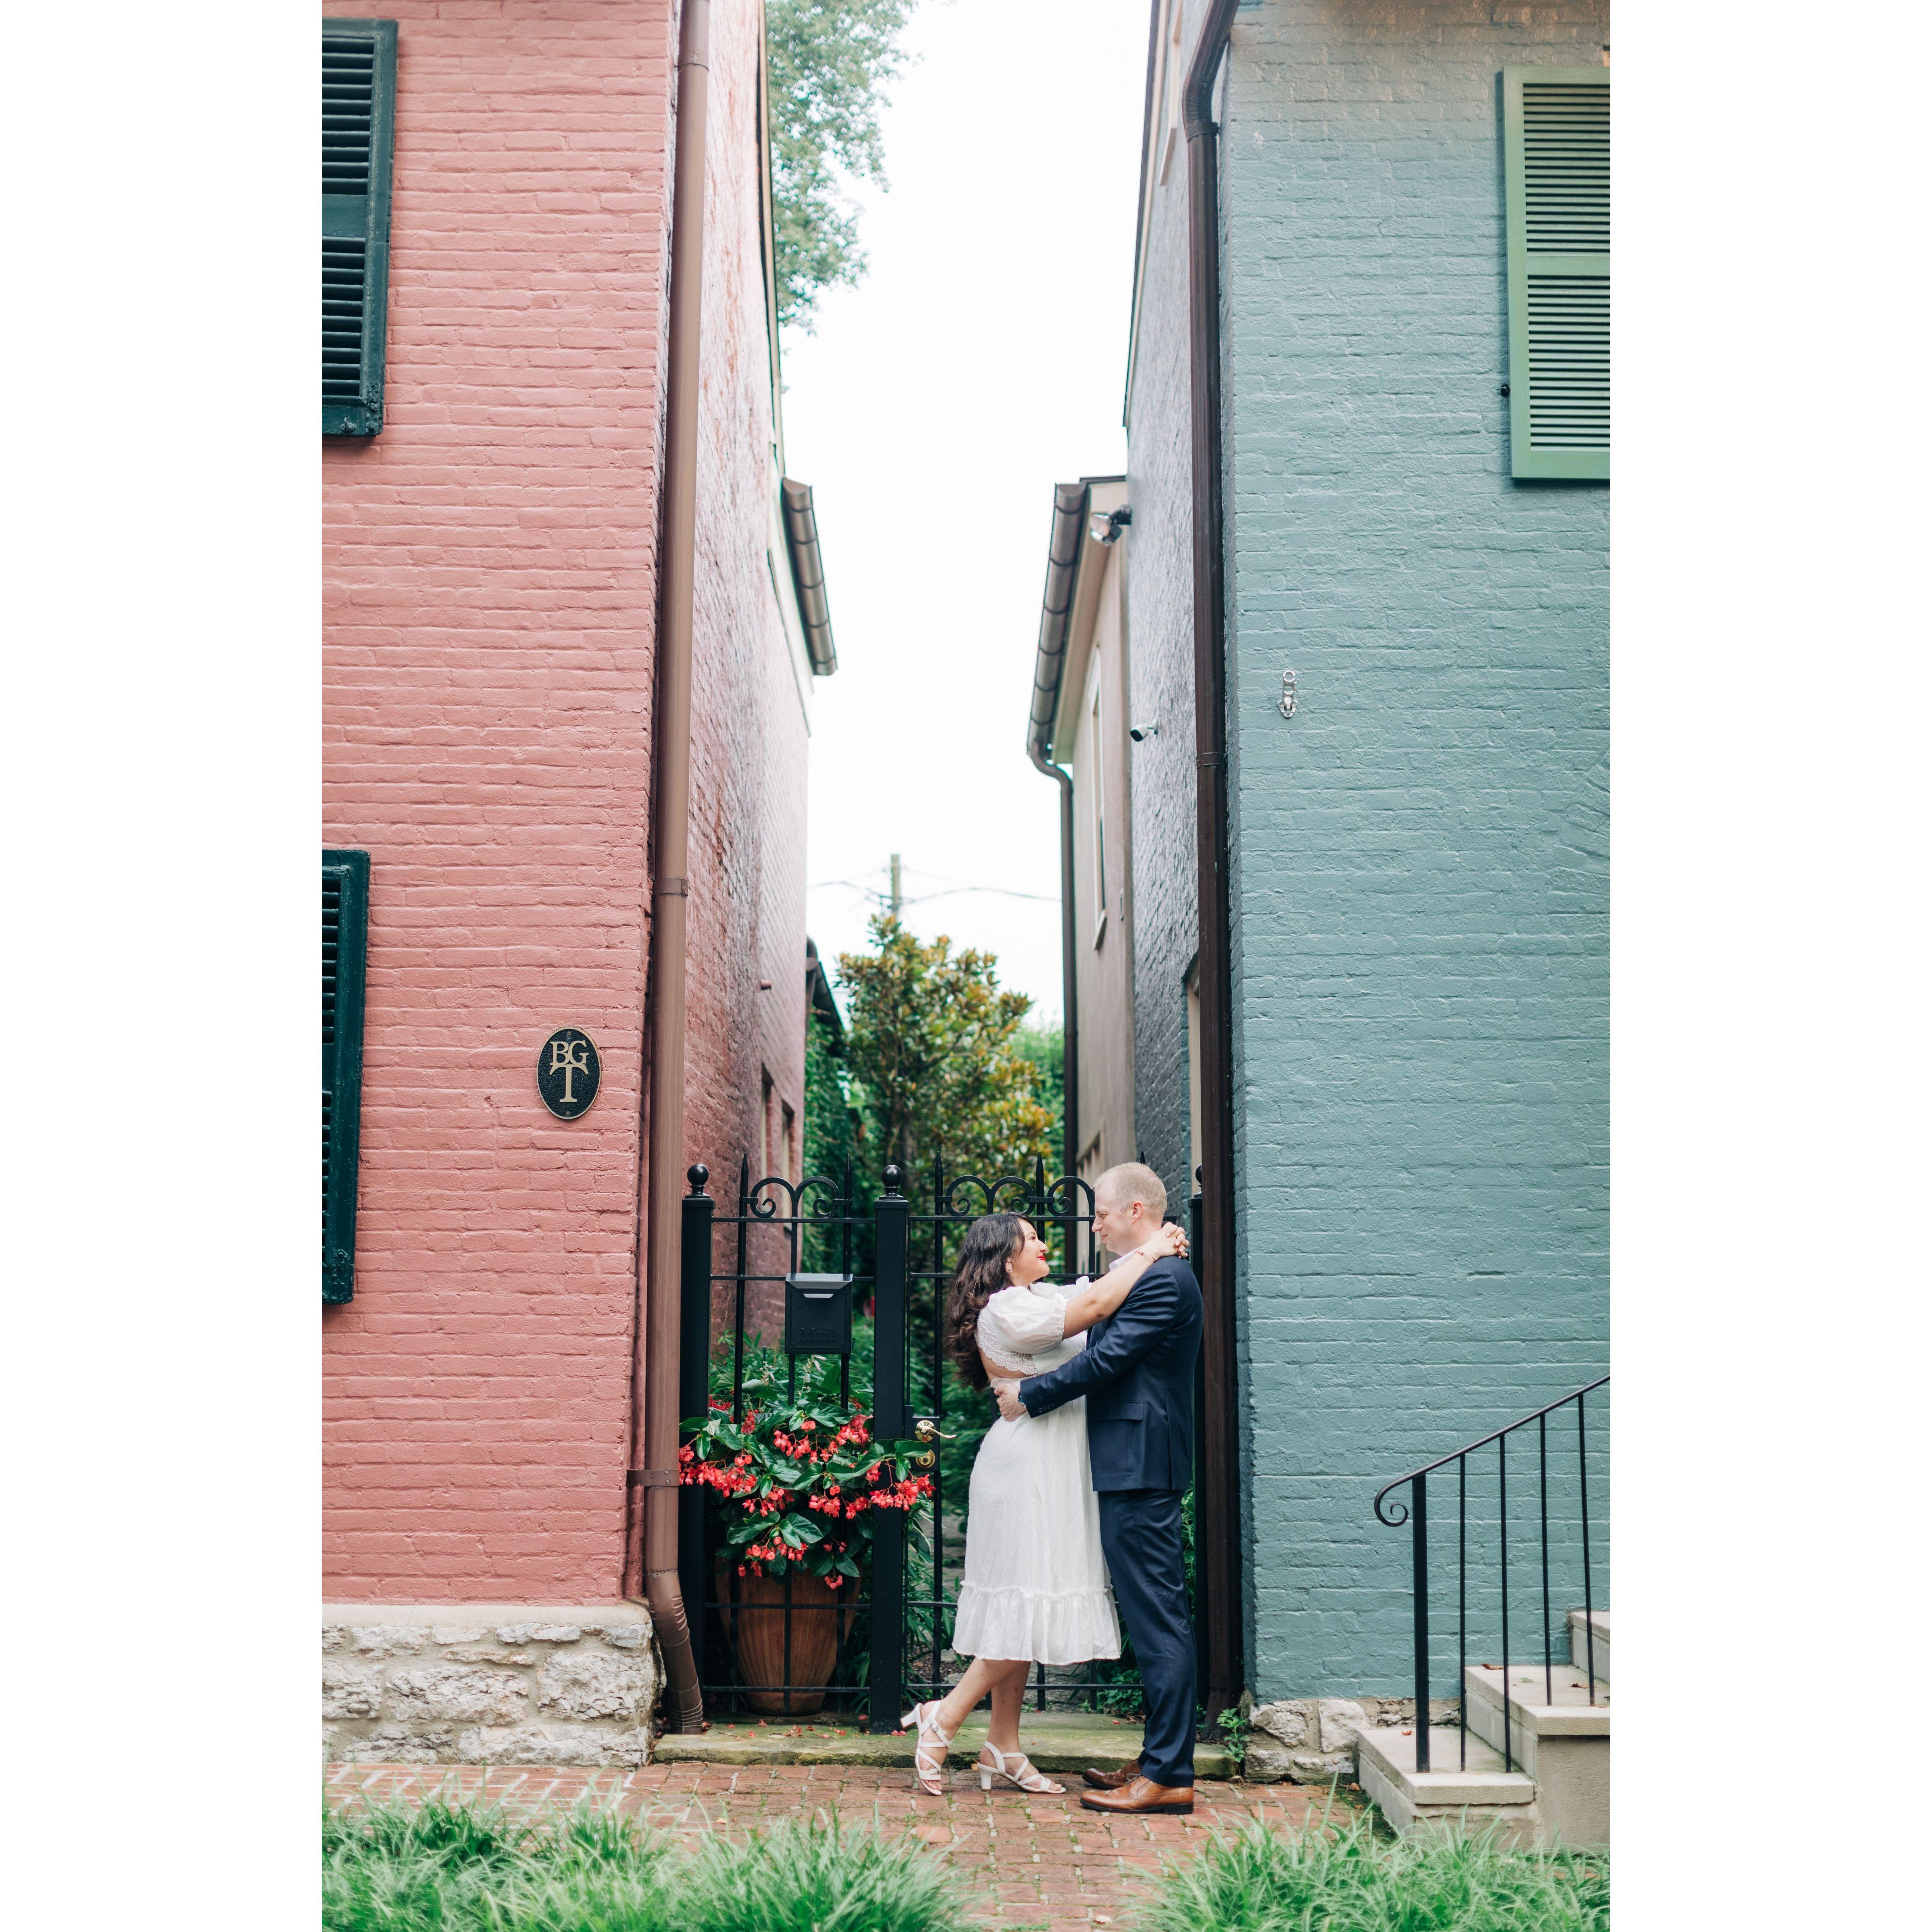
<point x="935" y="1047"/>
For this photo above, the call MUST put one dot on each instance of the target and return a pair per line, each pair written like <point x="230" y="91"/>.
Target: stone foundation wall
<point x="488" y="1684"/>
<point x="1309" y="1740"/>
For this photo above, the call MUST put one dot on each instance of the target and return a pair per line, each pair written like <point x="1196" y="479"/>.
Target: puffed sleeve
<point x="1016" y="1322"/>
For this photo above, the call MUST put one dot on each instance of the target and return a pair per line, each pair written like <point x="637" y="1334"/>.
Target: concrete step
<point x="1557" y="1735"/>
<point x="1598" y="1651"/>
<point x="1059" y="1741"/>
<point x="1557" y="1704"/>
<point x="1465" y="1787"/>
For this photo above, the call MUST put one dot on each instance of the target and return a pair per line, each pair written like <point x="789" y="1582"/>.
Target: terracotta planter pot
<point x="756" y="1625"/>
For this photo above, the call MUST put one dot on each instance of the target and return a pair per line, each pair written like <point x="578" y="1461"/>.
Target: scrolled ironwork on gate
<point x="811" y="1262"/>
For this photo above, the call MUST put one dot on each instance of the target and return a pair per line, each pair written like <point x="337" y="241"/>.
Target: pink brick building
<point x="491" y="601"/>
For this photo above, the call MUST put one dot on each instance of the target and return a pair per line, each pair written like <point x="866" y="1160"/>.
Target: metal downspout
<point x="654" y="1385"/>
<point x="1069" y="992"/>
<point x="1219" y="1490"/>
<point x="1063" y="558"/>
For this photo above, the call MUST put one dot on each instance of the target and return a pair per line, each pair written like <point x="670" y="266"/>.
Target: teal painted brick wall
<point x="1419" y="857"/>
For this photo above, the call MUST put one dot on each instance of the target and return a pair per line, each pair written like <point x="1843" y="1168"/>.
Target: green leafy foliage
<point x="1046" y="1047"/>
<point x="395" y="1867"/>
<point x="933" y="1045"/>
<point x="839" y="1146"/>
<point x="769" y="1369"/>
<point x="1347" y="1879"/>
<point x="835" y="1143"/>
<point x="828" y="61"/>
<point x="799" y="1479"/>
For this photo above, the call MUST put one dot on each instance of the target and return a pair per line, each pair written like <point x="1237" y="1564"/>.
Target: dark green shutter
<point x="359" y="121"/>
<point x="345" y="951"/>
<point x="1556" y="169"/>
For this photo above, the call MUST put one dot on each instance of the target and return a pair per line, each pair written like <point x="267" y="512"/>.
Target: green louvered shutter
<point x="358" y="120"/>
<point x="1556" y="145"/>
<point x="345" y="951"/>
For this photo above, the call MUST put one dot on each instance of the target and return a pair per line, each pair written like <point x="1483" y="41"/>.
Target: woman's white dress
<point x="1036" y="1581"/>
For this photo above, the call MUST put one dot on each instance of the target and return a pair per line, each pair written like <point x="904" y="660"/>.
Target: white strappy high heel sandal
<point x="1024" y="1779"/>
<point x="928" y="1758"/>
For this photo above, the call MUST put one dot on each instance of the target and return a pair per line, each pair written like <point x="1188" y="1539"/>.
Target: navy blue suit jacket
<point x="1137" y="1373"/>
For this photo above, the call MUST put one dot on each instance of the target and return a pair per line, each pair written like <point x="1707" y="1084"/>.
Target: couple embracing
<point x="1079" y="1482"/>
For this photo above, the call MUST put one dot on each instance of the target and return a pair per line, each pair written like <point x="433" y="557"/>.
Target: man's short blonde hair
<point x="1133" y="1181"/>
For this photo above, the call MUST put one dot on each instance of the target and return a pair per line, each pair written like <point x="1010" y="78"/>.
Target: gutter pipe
<point x="654" y="1363"/>
<point x="808" y="575"/>
<point x="1219" y="1490"/>
<point x="1062" y="561"/>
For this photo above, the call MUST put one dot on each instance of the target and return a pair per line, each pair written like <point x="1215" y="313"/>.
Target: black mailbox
<point x="818" y="1314"/>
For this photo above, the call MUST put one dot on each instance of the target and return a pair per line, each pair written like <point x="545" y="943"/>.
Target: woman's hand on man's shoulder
<point x="1169" y="1241"/>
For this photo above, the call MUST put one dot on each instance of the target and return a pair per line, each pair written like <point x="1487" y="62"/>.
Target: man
<point x="1137" y="1374"/>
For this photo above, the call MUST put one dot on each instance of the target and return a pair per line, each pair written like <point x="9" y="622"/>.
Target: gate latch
<point x="927" y="1429"/>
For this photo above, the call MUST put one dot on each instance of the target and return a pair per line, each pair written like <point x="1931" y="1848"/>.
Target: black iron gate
<point x="803" y="1260"/>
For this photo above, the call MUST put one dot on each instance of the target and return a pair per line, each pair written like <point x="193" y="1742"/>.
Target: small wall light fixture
<point x="1105" y="527"/>
<point x="1140" y="733"/>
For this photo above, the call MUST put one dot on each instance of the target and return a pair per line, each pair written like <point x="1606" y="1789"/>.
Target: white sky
<point x="980" y="361"/>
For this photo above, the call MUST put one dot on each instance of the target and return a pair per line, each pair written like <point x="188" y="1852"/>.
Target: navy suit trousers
<point x="1140" y="1531"/>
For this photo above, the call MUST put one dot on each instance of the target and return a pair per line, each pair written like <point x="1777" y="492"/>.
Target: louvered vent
<point x="1570" y="361"/>
<point x="331" y="949"/>
<point x="1566" y="168"/>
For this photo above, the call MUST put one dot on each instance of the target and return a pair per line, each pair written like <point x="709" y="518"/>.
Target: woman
<point x="1035" y="1583"/>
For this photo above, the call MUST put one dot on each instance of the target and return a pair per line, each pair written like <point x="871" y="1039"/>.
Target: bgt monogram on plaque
<point x="568" y="1072"/>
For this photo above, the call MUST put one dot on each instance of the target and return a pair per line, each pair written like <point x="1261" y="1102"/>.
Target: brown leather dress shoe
<point x="1141" y="1795"/>
<point x="1112" y="1781"/>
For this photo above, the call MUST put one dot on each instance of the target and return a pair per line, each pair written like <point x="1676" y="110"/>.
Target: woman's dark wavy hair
<point x="992" y="1245"/>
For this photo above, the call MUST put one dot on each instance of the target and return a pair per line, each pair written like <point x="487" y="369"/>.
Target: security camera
<point x="1140" y="733"/>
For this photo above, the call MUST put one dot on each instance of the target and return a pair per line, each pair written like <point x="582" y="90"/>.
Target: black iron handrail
<point x="1415" y="1513"/>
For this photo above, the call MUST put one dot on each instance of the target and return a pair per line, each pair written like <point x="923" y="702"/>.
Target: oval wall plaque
<point x="568" y="1072"/>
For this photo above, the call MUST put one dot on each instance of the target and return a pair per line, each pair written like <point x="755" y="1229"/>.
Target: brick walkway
<point x="1046" y="1862"/>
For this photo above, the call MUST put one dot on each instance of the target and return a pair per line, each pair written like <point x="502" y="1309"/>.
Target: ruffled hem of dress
<point x="1046" y="1627"/>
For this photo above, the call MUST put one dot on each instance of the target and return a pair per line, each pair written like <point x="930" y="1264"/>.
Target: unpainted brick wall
<point x="490" y="593"/>
<point x="749" y="729"/>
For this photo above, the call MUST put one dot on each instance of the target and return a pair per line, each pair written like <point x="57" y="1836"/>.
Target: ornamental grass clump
<point x="800" y="1480"/>
<point x="443" y="1867"/>
<point x="1345" y="1879"/>
<point x="816" y="1875"/>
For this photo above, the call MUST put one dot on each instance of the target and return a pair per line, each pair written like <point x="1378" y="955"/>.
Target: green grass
<point x="1348" y="1880"/>
<point x="442" y="1867"/>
